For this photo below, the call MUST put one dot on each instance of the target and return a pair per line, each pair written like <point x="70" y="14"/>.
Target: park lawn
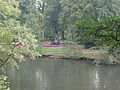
<point x="69" y="52"/>
<point x="66" y="51"/>
<point x="45" y="50"/>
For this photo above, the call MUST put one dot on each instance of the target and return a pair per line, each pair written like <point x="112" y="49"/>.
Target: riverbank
<point x="67" y="58"/>
<point x="75" y="52"/>
<point x="68" y="52"/>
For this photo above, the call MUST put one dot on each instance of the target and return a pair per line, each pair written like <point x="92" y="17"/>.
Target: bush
<point x="89" y="44"/>
<point x="102" y="32"/>
<point x="108" y="58"/>
<point x="3" y="84"/>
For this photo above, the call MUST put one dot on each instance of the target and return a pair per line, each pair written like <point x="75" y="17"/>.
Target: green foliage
<point x="68" y="16"/>
<point x="107" y="58"/>
<point x="10" y="54"/>
<point x="71" y="12"/>
<point x="106" y="8"/>
<point x="104" y="61"/>
<point x="8" y="9"/>
<point x="6" y="37"/>
<point x="83" y="27"/>
<point x="12" y="32"/>
<point x="105" y="31"/>
<point x="51" y="15"/>
<point x="61" y="15"/>
<point x="74" y="10"/>
<point x="4" y="85"/>
<point x="32" y="17"/>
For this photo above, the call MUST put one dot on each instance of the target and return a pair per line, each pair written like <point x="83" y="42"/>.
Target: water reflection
<point x="95" y="78"/>
<point x="48" y="74"/>
<point x="41" y="79"/>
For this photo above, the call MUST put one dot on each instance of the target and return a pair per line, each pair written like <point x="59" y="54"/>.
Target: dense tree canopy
<point x="31" y="17"/>
<point x="51" y="15"/>
<point x="10" y="31"/>
<point x="106" y="31"/>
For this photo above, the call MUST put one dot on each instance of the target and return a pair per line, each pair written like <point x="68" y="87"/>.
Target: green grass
<point x="69" y="51"/>
<point x="45" y="50"/>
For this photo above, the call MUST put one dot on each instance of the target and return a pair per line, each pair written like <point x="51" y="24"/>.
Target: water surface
<point x="48" y="74"/>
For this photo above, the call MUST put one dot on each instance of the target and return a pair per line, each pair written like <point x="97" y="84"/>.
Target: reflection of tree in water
<point x="66" y="75"/>
<point x="97" y="79"/>
<point x="105" y="78"/>
<point x="41" y="79"/>
<point x="48" y="77"/>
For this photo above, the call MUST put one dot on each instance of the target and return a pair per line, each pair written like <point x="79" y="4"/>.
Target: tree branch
<point x="5" y="60"/>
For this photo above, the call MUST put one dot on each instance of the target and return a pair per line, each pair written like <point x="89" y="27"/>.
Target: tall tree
<point x="71" y="12"/>
<point x="74" y="10"/>
<point x="51" y="15"/>
<point x="103" y="32"/>
<point x="10" y="30"/>
<point x="31" y="16"/>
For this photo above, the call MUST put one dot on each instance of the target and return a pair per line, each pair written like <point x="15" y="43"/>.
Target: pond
<point x="51" y="74"/>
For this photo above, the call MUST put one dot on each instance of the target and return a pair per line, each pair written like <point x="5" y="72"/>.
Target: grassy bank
<point x="70" y="51"/>
<point x="76" y="51"/>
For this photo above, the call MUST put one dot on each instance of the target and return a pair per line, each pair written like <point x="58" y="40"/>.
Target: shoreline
<point x="67" y="58"/>
<point x="77" y="59"/>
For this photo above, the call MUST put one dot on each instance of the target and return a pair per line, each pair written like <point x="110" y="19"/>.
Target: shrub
<point x="107" y="57"/>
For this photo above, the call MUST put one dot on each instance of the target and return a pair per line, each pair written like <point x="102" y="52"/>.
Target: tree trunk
<point x="56" y="40"/>
<point x="63" y="35"/>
